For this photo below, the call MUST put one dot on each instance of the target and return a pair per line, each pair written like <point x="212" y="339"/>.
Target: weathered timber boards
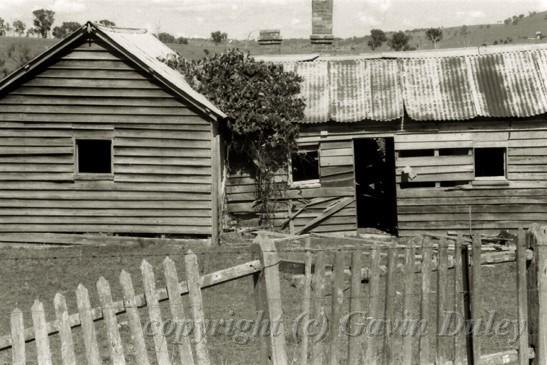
<point x="161" y="162"/>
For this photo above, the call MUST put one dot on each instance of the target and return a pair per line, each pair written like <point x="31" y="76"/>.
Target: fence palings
<point x="389" y="310"/>
<point x="425" y="339"/>
<point x="522" y="298"/>
<point x="407" y="295"/>
<point x="88" y="327"/>
<point x="113" y="334"/>
<point x="134" y="319"/>
<point x="337" y="302"/>
<point x="65" y="332"/>
<point x="459" y="348"/>
<point x="196" y="303"/>
<point x="318" y="286"/>
<point x="355" y="341"/>
<point x="18" y="338"/>
<point x="475" y="296"/>
<point x="306" y="303"/>
<point x="442" y="300"/>
<point x="177" y="310"/>
<point x="43" y="352"/>
<point x="372" y="354"/>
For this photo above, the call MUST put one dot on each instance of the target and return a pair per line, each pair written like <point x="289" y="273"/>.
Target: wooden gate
<point x="403" y="303"/>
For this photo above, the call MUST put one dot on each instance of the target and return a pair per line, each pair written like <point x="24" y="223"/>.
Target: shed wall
<point x="161" y="152"/>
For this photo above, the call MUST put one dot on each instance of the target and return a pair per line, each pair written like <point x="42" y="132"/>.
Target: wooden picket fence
<point x="265" y="277"/>
<point x="388" y="280"/>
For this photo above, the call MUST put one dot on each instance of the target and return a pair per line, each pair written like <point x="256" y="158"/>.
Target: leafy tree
<point x="17" y="55"/>
<point x="435" y="35"/>
<point x="43" y="20"/>
<point x="377" y="38"/>
<point x="66" y="29"/>
<point x="182" y="40"/>
<point x="3" y="29"/>
<point x="106" y="23"/>
<point x="262" y="104"/>
<point x="508" y="21"/>
<point x="19" y="26"/>
<point x="399" y="41"/>
<point x="166" y="37"/>
<point x="219" y="37"/>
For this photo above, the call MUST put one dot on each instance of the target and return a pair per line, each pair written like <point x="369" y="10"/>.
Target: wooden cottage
<point x="99" y="135"/>
<point x="449" y="140"/>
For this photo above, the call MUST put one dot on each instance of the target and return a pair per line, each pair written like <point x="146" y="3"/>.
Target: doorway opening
<point x="375" y="184"/>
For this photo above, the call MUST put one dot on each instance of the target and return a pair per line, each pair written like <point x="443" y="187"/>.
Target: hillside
<point x="454" y="37"/>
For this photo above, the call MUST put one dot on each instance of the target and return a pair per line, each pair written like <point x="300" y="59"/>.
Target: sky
<point x="242" y="19"/>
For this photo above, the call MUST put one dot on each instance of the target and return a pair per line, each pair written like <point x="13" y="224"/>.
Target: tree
<point x="66" y="29"/>
<point x="435" y="35"/>
<point x="262" y="104"/>
<point x="43" y="20"/>
<point x="182" y="40"/>
<point x="3" y="29"/>
<point x="19" y="26"/>
<point x="377" y="38"/>
<point x="219" y="37"/>
<point x="106" y="23"/>
<point x="399" y="41"/>
<point x="166" y="37"/>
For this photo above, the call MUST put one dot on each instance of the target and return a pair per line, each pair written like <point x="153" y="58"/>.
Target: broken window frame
<point x="310" y="182"/>
<point x="93" y="136"/>
<point x="490" y="178"/>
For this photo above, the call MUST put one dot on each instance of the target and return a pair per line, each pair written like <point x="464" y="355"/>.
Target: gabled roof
<point x="139" y="46"/>
<point x="440" y="85"/>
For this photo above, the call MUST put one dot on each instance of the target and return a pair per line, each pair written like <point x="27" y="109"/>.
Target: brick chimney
<point x="322" y="22"/>
<point x="270" y="37"/>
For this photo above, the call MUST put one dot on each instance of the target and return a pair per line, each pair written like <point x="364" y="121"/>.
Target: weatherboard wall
<point x="162" y="151"/>
<point x="471" y="205"/>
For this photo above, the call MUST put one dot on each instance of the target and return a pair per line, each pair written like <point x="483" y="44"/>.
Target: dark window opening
<point x="490" y="162"/>
<point x="305" y="165"/>
<point x="417" y="184"/>
<point x="94" y="156"/>
<point x="454" y="152"/>
<point x="416" y="153"/>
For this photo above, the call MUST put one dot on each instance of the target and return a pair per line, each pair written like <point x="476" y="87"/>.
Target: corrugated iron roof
<point x="432" y="86"/>
<point x="151" y="51"/>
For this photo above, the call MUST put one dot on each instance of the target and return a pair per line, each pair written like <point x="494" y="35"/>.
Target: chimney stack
<point x="322" y="11"/>
<point x="269" y="37"/>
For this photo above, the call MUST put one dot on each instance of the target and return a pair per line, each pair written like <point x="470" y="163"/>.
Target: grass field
<point x="30" y="274"/>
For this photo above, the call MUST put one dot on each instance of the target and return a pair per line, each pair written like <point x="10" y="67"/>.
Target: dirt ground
<point x="38" y="274"/>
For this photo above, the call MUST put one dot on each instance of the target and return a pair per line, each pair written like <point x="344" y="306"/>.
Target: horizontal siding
<point x="162" y="152"/>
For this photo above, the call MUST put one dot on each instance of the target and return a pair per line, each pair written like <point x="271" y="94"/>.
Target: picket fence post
<point x="268" y="300"/>
<point x="537" y="293"/>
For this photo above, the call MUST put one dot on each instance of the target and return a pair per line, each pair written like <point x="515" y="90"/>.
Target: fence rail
<point x="389" y="279"/>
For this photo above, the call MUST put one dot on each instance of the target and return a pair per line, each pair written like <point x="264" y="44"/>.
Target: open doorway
<point x="375" y="181"/>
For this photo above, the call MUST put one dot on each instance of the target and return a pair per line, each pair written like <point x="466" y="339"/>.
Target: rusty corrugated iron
<point x="430" y="87"/>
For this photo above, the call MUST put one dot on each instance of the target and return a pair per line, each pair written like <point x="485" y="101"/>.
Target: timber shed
<point x="99" y="135"/>
<point x="410" y="142"/>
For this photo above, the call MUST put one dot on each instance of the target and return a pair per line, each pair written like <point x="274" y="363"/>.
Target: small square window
<point x="305" y="165"/>
<point x="490" y="162"/>
<point x="94" y="156"/>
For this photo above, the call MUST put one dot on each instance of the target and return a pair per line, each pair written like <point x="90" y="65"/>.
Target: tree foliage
<point x="3" y="29"/>
<point x="377" y="38"/>
<point x="399" y="41"/>
<point x="19" y="26"/>
<point x="106" y="23"/>
<point x="43" y="20"/>
<point x="435" y="35"/>
<point x="219" y="37"/>
<point x="16" y="56"/>
<point x="262" y="104"/>
<point x="66" y="29"/>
